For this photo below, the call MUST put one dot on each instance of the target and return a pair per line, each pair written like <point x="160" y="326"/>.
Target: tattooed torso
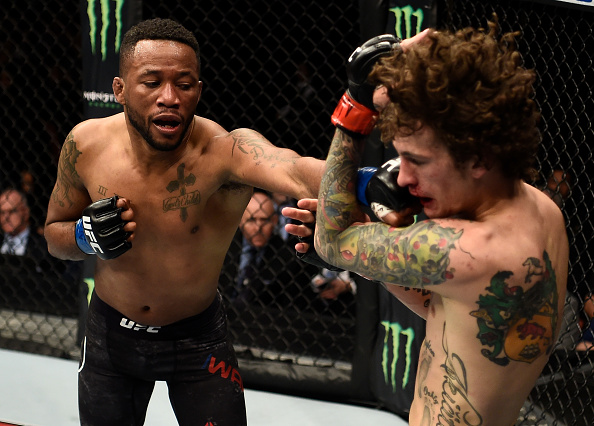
<point x="484" y="350"/>
<point x="497" y="282"/>
<point x="186" y="210"/>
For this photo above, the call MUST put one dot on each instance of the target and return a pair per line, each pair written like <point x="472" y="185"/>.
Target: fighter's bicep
<point x="69" y="192"/>
<point x="256" y="161"/>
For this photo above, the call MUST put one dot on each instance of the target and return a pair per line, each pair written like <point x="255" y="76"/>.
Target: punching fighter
<point x="157" y="193"/>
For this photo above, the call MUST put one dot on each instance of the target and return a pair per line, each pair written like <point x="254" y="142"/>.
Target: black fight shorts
<point x="121" y="360"/>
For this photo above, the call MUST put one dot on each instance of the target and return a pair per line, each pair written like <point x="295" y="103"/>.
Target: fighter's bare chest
<point x="182" y="190"/>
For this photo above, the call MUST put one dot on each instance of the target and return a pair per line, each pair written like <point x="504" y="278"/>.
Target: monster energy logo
<point x="406" y="14"/>
<point x="392" y="338"/>
<point x="105" y="24"/>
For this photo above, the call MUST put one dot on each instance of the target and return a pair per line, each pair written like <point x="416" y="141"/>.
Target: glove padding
<point x="381" y="191"/>
<point x="355" y="113"/>
<point x="100" y="230"/>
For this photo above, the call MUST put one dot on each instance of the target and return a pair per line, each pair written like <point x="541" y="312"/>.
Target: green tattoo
<point x="519" y="325"/>
<point x="185" y="199"/>
<point x="417" y="256"/>
<point x="67" y="175"/>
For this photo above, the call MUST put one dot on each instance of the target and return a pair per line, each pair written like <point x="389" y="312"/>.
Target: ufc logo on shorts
<point x="132" y="325"/>
<point x="90" y="234"/>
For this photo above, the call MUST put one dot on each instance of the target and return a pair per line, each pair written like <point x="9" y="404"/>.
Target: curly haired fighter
<point x="493" y="252"/>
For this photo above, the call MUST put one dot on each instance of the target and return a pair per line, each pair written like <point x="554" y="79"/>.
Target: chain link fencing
<point x="278" y="67"/>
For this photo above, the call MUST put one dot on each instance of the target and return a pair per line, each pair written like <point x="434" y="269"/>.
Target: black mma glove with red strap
<point x="377" y="188"/>
<point x="355" y="113"/>
<point x="100" y="230"/>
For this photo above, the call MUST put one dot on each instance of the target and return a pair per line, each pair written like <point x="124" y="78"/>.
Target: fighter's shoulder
<point x="241" y="138"/>
<point x="94" y="131"/>
<point x="461" y="241"/>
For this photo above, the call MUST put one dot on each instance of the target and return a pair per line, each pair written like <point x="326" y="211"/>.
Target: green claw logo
<point x="405" y="15"/>
<point x="105" y="24"/>
<point x="393" y="333"/>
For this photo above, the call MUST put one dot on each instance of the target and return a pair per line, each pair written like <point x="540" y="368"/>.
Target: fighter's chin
<point x="430" y="208"/>
<point x="166" y="145"/>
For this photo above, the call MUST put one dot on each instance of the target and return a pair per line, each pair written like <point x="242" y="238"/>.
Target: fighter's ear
<point x="479" y="166"/>
<point x="118" y="90"/>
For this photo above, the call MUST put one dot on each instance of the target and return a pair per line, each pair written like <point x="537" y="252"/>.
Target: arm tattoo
<point x="416" y="256"/>
<point x="519" y="324"/>
<point x="67" y="175"/>
<point x="253" y="144"/>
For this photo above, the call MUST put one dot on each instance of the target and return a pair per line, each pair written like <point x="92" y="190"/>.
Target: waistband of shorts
<point x="186" y="327"/>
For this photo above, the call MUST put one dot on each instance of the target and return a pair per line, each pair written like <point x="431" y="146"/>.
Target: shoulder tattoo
<point x="517" y="324"/>
<point x="67" y="175"/>
<point x="255" y="145"/>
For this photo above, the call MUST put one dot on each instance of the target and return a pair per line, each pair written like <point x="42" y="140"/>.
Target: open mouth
<point x="167" y="125"/>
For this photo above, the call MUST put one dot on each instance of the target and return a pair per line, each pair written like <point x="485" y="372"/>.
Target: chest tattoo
<point x="184" y="198"/>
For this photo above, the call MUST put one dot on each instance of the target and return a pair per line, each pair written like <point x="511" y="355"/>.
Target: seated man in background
<point x="268" y="274"/>
<point x="32" y="279"/>
<point x="257" y="226"/>
<point x="18" y="237"/>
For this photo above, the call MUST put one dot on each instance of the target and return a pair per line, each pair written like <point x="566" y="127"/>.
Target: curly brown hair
<point x="471" y="89"/>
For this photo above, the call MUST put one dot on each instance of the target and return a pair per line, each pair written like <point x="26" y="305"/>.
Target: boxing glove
<point x="100" y="230"/>
<point x="378" y="188"/>
<point x="355" y="113"/>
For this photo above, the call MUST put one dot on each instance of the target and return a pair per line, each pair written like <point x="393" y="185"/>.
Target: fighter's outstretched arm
<point x="255" y="161"/>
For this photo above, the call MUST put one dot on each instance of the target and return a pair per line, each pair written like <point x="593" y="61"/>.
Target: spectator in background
<point x="33" y="279"/>
<point x="257" y="226"/>
<point x="587" y="340"/>
<point x="267" y="264"/>
<point x="37" y="204"/>
<point x="18" y="238"/>
<point x="330" y="284"/>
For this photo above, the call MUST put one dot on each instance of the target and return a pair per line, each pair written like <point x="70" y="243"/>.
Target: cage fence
<point x="278" y="67"/>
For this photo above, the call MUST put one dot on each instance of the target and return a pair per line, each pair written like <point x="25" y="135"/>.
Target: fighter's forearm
<point x="61" y="242"/>
<point x="308" y="178"/>
<point x="337" y="202"/>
